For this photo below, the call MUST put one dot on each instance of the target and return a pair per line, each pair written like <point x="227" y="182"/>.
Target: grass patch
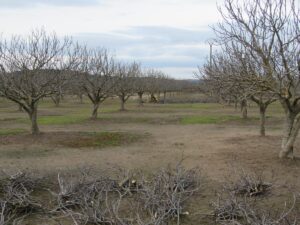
<point x="68" y="117"/>
<point x="208" y="119"/>
<point x="137" y="119"/>
<point x="26" y="153"/>
<point x="61" y="120"/>
<point x="57" y="120"/>
<point x="7" y="132"/>
<point x="192" y="106"/>
<point x="72" y="139"/>
<point x="99" y="139"/>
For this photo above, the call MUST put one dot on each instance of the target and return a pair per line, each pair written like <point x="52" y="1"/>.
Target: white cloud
<point x="179" y="72"/>
<point x="135" y="29"/>
<point x="35" y="3"/>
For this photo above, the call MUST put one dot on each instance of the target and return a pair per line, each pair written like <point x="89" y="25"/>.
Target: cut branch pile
<point x="249" y="184"/>
<point x="236" y="204"/>
<point x="233" y="211"/>
<point x="17" y="201"/>
<point x="136" y="199"/>
<point x="127" y="199"/>
<point x="163" y="197"/>
<point x="228" y="208"/>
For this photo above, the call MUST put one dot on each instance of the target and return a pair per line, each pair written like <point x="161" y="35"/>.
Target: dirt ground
<point x="216" y="148"/>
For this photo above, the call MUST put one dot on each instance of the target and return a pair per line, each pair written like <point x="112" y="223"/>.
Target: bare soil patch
<point x="216" y="148"/>
<point x="72" y="139"/>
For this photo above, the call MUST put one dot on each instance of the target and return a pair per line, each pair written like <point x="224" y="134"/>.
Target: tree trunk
<point x="122" y="100"/>
<point x="95" y="111"/>
<point x="245" y="112"/>
<point x="140" y="94"/>
<point x="262" y="111"/>
<point x="56" y="100"/>
<point x="152" y="98"/>
<point x="292" y="125"/>
<point x="33" y="118"/>
<point x="244" y="109"/>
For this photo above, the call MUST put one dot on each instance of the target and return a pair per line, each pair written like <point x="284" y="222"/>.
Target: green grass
<point x="57" y="120"/>
<point x="61" y="120"/>
<point x="208" y="119"/>
<point x="100" y="139"/>
<point x="79" y="116"/>
<point x="141" y="120"/>
<point x="71" y="112"/>
<point x="192" y="106"/>
<point x="6" y="132"/>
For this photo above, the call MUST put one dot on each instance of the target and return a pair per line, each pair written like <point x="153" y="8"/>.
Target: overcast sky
<point x="167" y="34"/>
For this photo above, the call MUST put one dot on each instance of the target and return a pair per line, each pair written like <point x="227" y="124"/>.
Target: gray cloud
<point x="154" y="36"/>
<point x="33" y="3"/>
<point x="170" y="34"/>
<point x="158" y="47"/>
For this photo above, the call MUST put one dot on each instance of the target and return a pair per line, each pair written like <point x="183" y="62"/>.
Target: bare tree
<point x="141" y="87"/>
<point x="222" y="74"/>
<point x="62" y="82"/>
<point x="96" y="72"/>
<point x="30" y="67"/>
<point x="126" y="75"/>
<point x="234" y="73"/>
<point x="165" y="84"/>
<point x="263" y="100"/>
<point x="269" y="31"/>
<point x="253" y="77"/>
<point x="74" y="85"/>
<point x="213" y="81"/>
<point x="152" y="84"/>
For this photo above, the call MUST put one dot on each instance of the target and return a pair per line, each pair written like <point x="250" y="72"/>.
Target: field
<point x="210" y="136"/>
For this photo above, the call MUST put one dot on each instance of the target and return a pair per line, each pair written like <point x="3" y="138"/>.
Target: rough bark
<point x="122" y="101"/>
<point x="263" y="102"/>
<point x="122" y="105"/>
<point x="262" y="112"/>
<point x="292" y="125"/>
<point x="244" y="109"/>
<point x="95" y="110"/>
<point x="33" y="118"/>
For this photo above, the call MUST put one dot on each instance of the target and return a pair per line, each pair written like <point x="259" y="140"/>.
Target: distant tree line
<point x="42" y="65"/>
<point x="258" y="60"/>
